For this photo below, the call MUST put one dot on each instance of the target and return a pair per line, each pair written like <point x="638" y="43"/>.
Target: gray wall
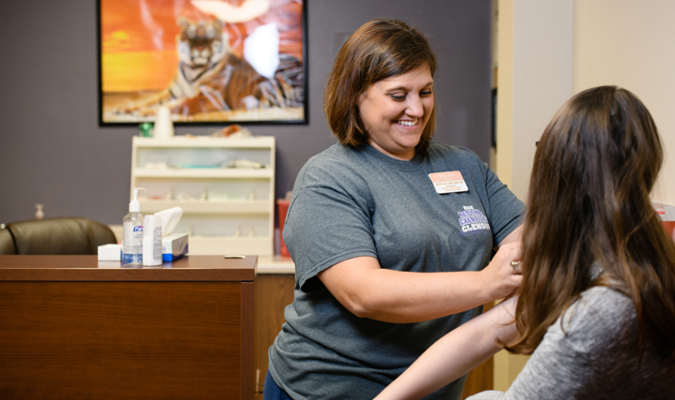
<point x="53" y="152"/>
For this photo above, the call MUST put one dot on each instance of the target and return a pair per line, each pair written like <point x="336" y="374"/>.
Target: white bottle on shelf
<point x="132" y="235"/>
<point x="152" y="240"/>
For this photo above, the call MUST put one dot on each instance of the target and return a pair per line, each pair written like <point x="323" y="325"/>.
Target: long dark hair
<point x="379" y="49"/>
<point x="588" y="202"/>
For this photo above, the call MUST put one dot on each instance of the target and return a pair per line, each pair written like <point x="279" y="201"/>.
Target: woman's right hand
<point x="500" y="277"/>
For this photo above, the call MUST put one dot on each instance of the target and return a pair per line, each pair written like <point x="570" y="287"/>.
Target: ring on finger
<point x="515" y="265"/>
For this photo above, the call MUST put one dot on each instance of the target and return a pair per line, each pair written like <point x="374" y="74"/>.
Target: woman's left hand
<point x="500" y="277"/>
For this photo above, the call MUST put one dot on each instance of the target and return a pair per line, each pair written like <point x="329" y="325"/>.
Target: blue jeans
<point x="272" y="391"/>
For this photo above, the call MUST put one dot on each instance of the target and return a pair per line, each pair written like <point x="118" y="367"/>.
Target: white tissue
<point x="170" y="218"/>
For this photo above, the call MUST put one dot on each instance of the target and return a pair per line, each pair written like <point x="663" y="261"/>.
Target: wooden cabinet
<point x="272" y="294"/>
<point x="224" y="186"/>
<point x="76" y="328"/>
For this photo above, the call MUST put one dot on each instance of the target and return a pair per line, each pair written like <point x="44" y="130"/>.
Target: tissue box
<point x="110" y="252"/>
<point x="174" y="246"/>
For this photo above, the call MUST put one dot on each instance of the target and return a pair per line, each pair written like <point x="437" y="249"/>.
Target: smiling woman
<point x="396" y="110"/>
<point x="372" y="216"/>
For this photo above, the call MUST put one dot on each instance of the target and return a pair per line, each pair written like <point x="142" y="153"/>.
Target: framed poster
<point x="207" y="61"/>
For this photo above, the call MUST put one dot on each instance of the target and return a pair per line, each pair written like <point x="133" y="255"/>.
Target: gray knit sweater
<point x="591" y="353"/>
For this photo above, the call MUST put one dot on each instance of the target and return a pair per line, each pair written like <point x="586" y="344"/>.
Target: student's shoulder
<point x="601" y="314"/>
<point x="606" y="302"/>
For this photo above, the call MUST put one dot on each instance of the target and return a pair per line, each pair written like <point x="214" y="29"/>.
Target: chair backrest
<point x="75" y="235"/>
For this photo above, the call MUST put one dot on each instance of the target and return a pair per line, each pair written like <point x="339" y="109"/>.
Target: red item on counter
<point x="282" y="209"/>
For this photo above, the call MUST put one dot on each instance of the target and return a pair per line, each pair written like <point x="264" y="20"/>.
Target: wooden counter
<point x="72" y="327"/>
<point x="275" y="265"/>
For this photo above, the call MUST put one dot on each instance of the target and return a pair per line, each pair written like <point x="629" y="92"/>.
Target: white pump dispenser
<point x="132" y="239"/>
<point x="134" y="205"/>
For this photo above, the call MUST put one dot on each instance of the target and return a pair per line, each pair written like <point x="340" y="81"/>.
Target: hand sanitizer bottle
<point x="132" y="235"/>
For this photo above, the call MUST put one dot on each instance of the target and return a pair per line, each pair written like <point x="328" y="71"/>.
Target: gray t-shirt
<point x="591" y="353"/>
<point x="359" y="202"/>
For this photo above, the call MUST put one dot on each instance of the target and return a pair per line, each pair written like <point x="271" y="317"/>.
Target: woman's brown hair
<point x="589" y="203"/>
<point x="377" y="50"/>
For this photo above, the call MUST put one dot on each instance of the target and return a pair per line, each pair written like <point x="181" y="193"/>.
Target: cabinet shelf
<point x="259" y="142"/>
<point x="216" y="226"/>
<point x="205" y="173"/>
<point x="227" y="245"/>
<point x="208" y="207"/>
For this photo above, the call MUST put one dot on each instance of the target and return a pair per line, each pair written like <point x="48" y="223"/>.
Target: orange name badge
<point x="448" y="182"/>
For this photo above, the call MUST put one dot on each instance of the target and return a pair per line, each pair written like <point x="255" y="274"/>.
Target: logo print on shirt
<point x="472" y="220"/>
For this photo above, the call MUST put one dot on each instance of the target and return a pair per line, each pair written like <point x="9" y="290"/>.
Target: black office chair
<point x="71" y="235"/>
